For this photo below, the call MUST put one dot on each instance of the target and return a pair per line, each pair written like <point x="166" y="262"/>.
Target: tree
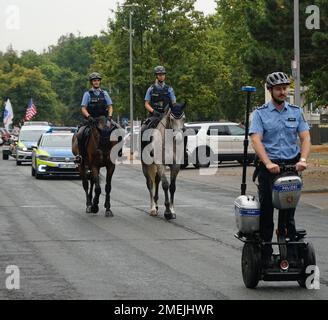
<point x="22" y="84"/>
<point x="272" y="30"/>
<point x="167" y="33"/>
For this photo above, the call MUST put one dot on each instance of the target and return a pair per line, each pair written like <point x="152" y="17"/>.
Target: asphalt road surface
<point x="63" y="253"/>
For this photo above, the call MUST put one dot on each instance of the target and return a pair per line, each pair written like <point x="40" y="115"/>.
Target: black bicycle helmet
<point x="277" y="78"/>
<point x="94" y="75"/>
<point x="159" y="70"/>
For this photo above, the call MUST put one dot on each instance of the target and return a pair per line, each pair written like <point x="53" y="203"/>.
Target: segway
<point x="295" y="255"/>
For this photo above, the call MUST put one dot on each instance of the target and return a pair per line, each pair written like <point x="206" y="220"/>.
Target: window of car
<point x="218" y="131"/>
<point x="57" y="141"/>
<point x="192" y="130"/>
<point x="236" y="130"/>
<point x="30" y="135"/>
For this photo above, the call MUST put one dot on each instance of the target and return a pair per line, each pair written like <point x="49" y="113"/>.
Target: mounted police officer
<point x="95" y="103"/>
<point x="274" y="131"/>
<point x="159" y="96"/>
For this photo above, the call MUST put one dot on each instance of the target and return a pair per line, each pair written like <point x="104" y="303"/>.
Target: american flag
<point x="30" y="111"/>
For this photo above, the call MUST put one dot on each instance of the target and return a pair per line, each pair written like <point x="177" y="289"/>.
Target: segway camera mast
<point x="247" y="208"/>
<point x="249" y="91"/>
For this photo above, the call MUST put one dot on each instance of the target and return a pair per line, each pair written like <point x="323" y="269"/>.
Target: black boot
<point x="79" y="157"/>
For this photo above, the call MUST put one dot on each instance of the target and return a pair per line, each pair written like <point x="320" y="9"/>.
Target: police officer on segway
<point x="274" y="131"/>
<point x="95" y="103"/>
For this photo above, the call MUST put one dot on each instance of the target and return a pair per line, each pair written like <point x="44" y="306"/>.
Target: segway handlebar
<point x="286" y="167"/>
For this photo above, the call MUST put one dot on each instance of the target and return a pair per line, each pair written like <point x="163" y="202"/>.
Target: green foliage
<point x="55" y="80"/>
<point x="208" y="59"/>
<point x="22" y="84"/>
<point x="272" y="30"/>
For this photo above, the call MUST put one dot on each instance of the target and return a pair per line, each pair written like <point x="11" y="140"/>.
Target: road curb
<point x="316" y="191"/>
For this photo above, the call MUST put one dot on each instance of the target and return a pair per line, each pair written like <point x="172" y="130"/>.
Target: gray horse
<point x="165" y="149"/>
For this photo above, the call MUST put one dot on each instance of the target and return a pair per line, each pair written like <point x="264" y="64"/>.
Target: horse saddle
<point x="150" y="123"/>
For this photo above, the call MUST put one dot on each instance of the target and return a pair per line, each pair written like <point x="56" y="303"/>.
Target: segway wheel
<point x="251" y="265"/>
<point x="309" y="259"/>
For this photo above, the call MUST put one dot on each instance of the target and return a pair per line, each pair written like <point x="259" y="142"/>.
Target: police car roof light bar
<point x="62" y="129"/>
<point x="249" y="91"/>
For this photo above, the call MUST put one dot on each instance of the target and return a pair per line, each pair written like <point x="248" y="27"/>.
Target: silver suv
<point x="208" y="142"/>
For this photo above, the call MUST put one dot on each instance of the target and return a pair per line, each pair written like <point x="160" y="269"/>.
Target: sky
<point x="37" y="24"/>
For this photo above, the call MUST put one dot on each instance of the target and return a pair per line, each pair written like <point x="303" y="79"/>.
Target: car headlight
<point x="24" y="149"/>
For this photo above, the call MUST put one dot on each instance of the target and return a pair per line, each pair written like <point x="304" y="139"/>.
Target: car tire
<point x="5" y="156"/>
<point x="209" y="153"/>
<point x="186" y="162"/>
<point x="183" y="166"/>
<point x="18" y="163"/>
<point x="38" y="175"/>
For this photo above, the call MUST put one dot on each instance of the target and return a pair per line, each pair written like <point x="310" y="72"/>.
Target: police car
<point x="28" y="136"/>
<point x="53" y="154"/>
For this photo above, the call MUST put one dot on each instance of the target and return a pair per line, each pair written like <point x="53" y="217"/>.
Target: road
<point x="63" y="253"/>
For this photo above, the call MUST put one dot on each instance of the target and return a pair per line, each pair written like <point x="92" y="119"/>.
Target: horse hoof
<point x="109" y="214"/>
<point x="95" y="209"/>
<point x="170" y="216"/>
<point x="88" y="209"/>
<point x="153" y="213"/>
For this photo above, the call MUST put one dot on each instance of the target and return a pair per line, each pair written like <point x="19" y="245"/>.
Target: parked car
<point x="9" y="150"/>
<point x="127" y="137"/>
<point x="208" y="142"/>
<point x="28" y="136"/>
<point x="53" y="154"/>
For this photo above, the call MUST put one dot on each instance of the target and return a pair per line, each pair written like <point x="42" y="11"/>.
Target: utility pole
<point x="131" y="86"/>
<point x="297" y="58"/>
<point x="131" y="33"/>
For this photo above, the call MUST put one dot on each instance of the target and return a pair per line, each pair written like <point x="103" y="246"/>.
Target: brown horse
<point x="102" y="150"/>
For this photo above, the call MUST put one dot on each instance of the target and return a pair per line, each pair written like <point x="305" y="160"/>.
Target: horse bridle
<point x="170" y="116"/>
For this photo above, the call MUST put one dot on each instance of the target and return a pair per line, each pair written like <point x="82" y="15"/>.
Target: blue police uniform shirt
<point x="279" y="130"/>
<point x="86" y="97"/>
<point x="171" y="92"/>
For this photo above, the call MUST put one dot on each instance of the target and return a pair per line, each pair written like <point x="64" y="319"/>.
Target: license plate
<point x="67" y="165"/>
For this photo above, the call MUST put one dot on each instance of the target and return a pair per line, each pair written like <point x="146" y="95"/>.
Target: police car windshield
<point x="30" y="135"/>
<point x="57" y="141"/>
